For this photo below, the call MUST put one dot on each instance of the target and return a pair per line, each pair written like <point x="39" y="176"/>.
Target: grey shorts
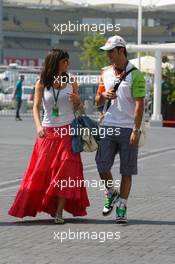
<point x="110" y="145"/>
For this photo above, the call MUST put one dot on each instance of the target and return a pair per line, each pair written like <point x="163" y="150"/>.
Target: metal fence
<point x="8" y="78"/>
<point x="87" y="80"/>
<point x="88" y="83"/>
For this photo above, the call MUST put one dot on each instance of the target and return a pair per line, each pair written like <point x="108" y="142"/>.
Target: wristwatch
<point x="137" y="130"/>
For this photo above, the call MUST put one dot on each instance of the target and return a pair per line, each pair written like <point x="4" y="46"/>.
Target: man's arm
<point x="14" y="94"/>
<point x="99" y="99"/>
<point x="138" y="112"/>
<point x="102" y="94"/>
<point x="138" y="115"/>
<point x="138" y="93"/>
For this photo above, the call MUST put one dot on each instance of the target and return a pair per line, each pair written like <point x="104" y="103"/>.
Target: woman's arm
<point x="39" y="89"/>
<point x="75" y="98"/>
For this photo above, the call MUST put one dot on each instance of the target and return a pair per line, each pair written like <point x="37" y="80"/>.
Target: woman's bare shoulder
<point x="39" y="85"/>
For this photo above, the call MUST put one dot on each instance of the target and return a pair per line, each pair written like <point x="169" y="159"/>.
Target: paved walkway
<point x="148" y="238"/>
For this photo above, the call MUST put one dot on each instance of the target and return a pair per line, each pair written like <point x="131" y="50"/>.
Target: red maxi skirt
<point x="53" y="171"/>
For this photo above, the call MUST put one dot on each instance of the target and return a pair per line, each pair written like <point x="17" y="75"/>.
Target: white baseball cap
<point x="113" y="42"/>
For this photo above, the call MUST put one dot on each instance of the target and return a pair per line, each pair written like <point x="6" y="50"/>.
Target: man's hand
<point x="13" y="97"/>
<point x="134" y="138"/>
<point x="110" y="94"/>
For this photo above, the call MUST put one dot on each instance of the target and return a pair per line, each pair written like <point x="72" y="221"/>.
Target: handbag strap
<point x="81" y="111"/>
<point x="117" y="85"/>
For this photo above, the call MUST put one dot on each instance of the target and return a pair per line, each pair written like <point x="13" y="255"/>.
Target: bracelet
<point x="137" y="130"/>
<point x="78" y="105"/>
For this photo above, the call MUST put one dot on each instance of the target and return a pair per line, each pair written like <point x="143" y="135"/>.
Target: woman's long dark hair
<point x="51" y="67"/>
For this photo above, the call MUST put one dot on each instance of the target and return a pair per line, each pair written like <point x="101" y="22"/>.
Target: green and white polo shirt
<point x="121" y="110"/>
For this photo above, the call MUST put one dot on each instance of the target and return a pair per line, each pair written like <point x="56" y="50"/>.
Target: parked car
<point x="6" y="96"/>
<point x="26" y="93"/>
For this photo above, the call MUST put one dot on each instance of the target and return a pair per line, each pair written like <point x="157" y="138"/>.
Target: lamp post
<point x="139" y="30"/>
<point x="156" y="118"/>
<point x="1" y="34"/>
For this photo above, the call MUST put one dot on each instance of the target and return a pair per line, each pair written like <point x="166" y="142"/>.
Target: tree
<point x="169" y="76"/>
<point x="92" y="57"/>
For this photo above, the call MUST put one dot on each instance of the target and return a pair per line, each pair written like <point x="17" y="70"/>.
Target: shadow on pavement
<point x="85" y="221"/>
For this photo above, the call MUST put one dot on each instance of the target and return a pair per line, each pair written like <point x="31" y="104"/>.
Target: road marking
<point x="9" y="188"/>
<point x="149" y="155"/>
<point x="7" y="182"/>
<point x="172" y="164"/>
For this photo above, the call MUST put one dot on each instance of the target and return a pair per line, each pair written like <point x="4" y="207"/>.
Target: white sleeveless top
<point x="66" y="114"/>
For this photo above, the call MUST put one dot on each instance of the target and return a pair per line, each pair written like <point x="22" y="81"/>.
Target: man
<point x="18" y="95"/>
<point x="124" y="113"/>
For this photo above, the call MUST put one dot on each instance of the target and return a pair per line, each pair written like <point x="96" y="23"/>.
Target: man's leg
<point x="105" y="158"/>
<point x="125" y="186"/>
<point x="111" y="194"/>
<point x="121" y="205"/>
<point x="20" y="103"/>
<point x="18" y="106"/>
<point x="128" y="166"/>
<point x="107" y="178"/>
<point x="121" y="208"/>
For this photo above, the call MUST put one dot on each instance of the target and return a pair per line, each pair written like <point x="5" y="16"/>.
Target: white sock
<point x="121" y="202"/>
<point x="59" y="215"/>
<point x="110" y="190"/>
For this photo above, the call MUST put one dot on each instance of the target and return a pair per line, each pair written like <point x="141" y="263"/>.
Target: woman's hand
<point x="74" y="98"/>
<point x="110" y="94"/>
<point x="41" y="132"/>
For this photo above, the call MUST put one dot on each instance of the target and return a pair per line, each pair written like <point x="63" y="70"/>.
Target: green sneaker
<point x="121" y="215"/>
<point x="110" y="200"/>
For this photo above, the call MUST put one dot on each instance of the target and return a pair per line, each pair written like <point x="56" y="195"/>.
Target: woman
<point x="53" y="165"/>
